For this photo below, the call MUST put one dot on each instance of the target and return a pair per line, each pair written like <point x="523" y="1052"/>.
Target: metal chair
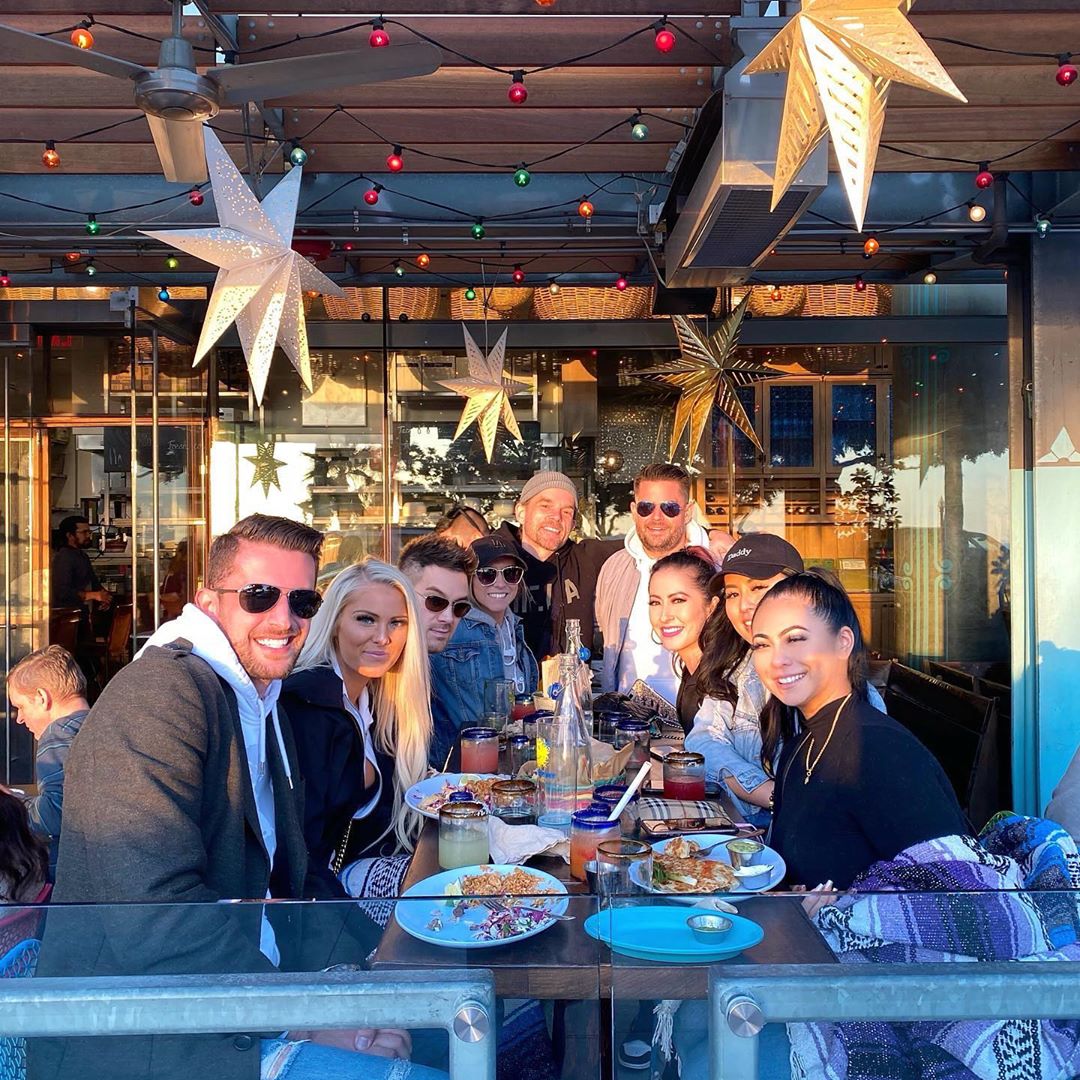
<point x="19" y="962"/>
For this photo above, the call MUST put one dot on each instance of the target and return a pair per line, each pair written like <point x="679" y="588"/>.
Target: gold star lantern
<point x="841" y="57"/>
<point x="261" y="281"/>
<point x="708" y="373"/>
<point x="487" y="391"/>
<point x="266" y="466"/>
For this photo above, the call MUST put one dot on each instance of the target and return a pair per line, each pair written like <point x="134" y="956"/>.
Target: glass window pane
<point x="745" y="450"/>
<point x="854" y="423"/>
<point x="791" y="426"/>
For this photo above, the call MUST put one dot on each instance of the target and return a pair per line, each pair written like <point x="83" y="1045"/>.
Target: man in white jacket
<point x="663" y="513"/>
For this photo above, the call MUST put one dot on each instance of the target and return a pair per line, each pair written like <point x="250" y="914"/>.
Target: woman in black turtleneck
<point x="852" y="785"/>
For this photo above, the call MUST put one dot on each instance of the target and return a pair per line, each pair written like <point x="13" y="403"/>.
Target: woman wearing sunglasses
<point x="489" y="642"/>
<point x="358" y="702"/>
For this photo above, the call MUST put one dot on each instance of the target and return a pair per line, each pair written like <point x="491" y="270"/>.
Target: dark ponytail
<point x="827" y="599"/>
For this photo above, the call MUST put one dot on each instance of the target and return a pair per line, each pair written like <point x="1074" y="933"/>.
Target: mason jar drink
<point x="588" y="828"/>
<point x="479" y="750"/>
<point x="684" y="775"/>
<point x="463" y="835"/>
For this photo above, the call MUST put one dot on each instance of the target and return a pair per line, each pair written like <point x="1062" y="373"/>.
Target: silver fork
<point x="494" y="904"/>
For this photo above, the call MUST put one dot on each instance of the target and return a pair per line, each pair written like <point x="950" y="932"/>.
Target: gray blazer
<point x="159" y="809"/>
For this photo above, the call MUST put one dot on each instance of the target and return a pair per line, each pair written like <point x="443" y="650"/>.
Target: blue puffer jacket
<point x="458" y="675"/>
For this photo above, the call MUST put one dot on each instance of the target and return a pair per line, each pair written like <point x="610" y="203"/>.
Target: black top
<point x="558" y="588"/>
<point x="72" y="573"/>
<point x="875" y="791"/>
<point x="688" y="701"/>
<point x="330" y="751"/>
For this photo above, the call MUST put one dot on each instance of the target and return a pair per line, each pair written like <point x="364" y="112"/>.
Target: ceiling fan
<point x="177" y="99"/>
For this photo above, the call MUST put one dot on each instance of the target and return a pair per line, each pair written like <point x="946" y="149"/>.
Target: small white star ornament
<point x="261" y="281"/>
<point x="487" y="391"/>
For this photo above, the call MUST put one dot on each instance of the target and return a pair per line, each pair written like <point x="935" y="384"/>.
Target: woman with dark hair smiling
<point x="852" y="786"/>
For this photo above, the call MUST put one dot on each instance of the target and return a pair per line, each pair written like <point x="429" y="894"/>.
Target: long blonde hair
<point x="401" y="698"/>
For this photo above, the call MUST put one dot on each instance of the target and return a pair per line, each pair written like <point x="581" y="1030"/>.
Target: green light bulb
<point x="92" y="226"/>
<point x="1042" y="227"/>
<point x="172" y="262"/>
<point x="298" y="155"/>
<point x="639" y="132"/>
<point x="522" y="177"/>
<point x="399" y="270"/>
<point x="478" y="230"/>
<point x="470" y="293"/>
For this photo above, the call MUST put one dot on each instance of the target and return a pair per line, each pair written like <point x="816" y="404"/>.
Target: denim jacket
<point x="459" y="672"/>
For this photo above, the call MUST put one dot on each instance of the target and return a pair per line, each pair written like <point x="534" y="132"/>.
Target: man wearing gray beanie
<point x="560" y="575"/>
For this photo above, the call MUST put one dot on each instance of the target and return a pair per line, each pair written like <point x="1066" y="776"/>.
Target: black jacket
<point x="560" y="588"/>
<point x="159" y="811"/>
<point x="330" y="751"/>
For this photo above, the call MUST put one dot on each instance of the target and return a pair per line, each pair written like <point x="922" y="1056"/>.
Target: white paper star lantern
<point x="488" y="391"/>
<point x="261" y="281"/>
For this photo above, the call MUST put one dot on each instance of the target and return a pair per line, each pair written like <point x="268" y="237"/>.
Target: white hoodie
<point x="209" y="643"/>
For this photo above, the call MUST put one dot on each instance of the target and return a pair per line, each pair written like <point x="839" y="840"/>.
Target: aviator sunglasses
<point x="255" y="599"/>
<point x="435" y="604"/>
<point x="670" y="509"/>
<point x="510" y="574"/>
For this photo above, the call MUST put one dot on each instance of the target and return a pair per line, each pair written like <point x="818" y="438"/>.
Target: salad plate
<point x="428" y="795"/>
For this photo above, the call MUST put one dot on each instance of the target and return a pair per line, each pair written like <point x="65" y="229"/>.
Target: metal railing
<point x="743" y="999"/>
<point x="461" y="1002"/>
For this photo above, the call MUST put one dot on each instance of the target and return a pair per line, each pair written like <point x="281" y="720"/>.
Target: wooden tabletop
<point x="564" y="962"/>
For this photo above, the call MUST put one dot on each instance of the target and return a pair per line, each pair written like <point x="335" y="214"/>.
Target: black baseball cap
<point x="758" y="556"/>
<point x="490" y="549"/>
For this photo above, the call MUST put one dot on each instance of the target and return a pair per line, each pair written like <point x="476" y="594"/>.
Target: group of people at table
<point x="260" y="744"/>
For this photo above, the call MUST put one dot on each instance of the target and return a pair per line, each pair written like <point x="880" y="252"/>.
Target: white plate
<point x="720" y="854"/>
<point x="434" y="784"/>
<point x="432" y="920"/>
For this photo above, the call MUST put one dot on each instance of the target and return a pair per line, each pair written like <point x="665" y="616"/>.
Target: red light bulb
<point x="5" y="281"/>
<point x="423" y="260"/>
<point x="517" y="92"/>
<point x="379" y="37"/>
<point x="196" y="197"/>
<point x="371" y="197"/>
<point x="871" y="247"/>
<point x="621" y="283"/>
<point x="518" y="276"/>
<point x="665" y="39"/>
<point x="586" y="209"/>
<point x="776" y="294"/>
<point x="860" y="285"/>
<point x="984" y="178"/>
<point x="1066" y="73"/>
<point x="395" y="162"/>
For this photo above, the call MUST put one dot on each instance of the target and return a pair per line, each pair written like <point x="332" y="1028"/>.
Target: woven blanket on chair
<point x="955" y="900"/>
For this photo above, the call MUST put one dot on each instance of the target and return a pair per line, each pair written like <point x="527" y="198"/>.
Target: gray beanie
<point x="543" y="481"/>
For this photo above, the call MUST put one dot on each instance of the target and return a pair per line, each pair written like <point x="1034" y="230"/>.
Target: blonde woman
<point x="359" y="704"/>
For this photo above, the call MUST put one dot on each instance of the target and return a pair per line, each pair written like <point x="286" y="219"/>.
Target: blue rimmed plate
<point x="760" y="883"/>
<point x="433" y="919"/>
<point x="422" y="790"/>
<point x="653" y="932"/>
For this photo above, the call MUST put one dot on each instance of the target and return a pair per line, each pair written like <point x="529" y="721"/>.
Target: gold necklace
<point x="811" y="766"/>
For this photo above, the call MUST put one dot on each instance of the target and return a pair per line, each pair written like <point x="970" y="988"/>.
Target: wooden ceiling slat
<point x="108" y="41"/>
<point x="1032" y="85"/>
<point x="1047" y="156"/>
<point x="63" y="87"/>
<point x="502" y="42"/>
<point x="475" y="8"/>
<point x="1050" y="27"/>
<point x="967" y="123"/>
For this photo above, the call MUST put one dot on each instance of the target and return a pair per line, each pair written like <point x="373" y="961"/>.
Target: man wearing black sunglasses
<point x="439" y="570"/>
<point x="183" y="790"/>
<point x="662" y="514"/>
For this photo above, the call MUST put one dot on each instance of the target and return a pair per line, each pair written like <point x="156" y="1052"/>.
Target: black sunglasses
<point x="436" y="604"/>
<point x="255" y="599"/>
<point x="670" y="509"/>
<point x="510" y="574"/>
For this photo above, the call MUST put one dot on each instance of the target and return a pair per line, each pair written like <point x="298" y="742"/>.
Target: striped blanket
<point x="955" y="899"/>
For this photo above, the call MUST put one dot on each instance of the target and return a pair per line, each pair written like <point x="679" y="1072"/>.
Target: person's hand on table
<point x="382" y="1042"/>
<point x="816" y="898"/>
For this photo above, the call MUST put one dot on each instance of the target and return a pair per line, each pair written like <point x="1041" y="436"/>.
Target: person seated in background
<point x="73" y="583"/>
<point x="1064" y="805"/>
<point x="438" y="570"/>
<point x="358" y="702"/>
<point x="462" y="524"/>
<point x="24" y="858"/>
<point x="47" y="689"/>
<point x="489" y="643"/>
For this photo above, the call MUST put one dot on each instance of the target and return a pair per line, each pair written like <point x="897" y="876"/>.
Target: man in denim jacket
<point x="489" y="643"/>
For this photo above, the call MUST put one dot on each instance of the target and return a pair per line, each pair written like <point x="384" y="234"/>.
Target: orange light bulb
<point x="81" y="37"/>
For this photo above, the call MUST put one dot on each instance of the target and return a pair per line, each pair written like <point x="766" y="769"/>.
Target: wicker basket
<point x="582" y="302"/>
<point x="500" y="303"/>
<point x="419" y="304"/>
<point x="762" y="304"/>
<point x="847" y="301"/>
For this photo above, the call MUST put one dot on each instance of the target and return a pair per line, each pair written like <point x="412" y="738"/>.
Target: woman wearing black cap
<point x="489" y="643"/>
<point x="727" y="730"/>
